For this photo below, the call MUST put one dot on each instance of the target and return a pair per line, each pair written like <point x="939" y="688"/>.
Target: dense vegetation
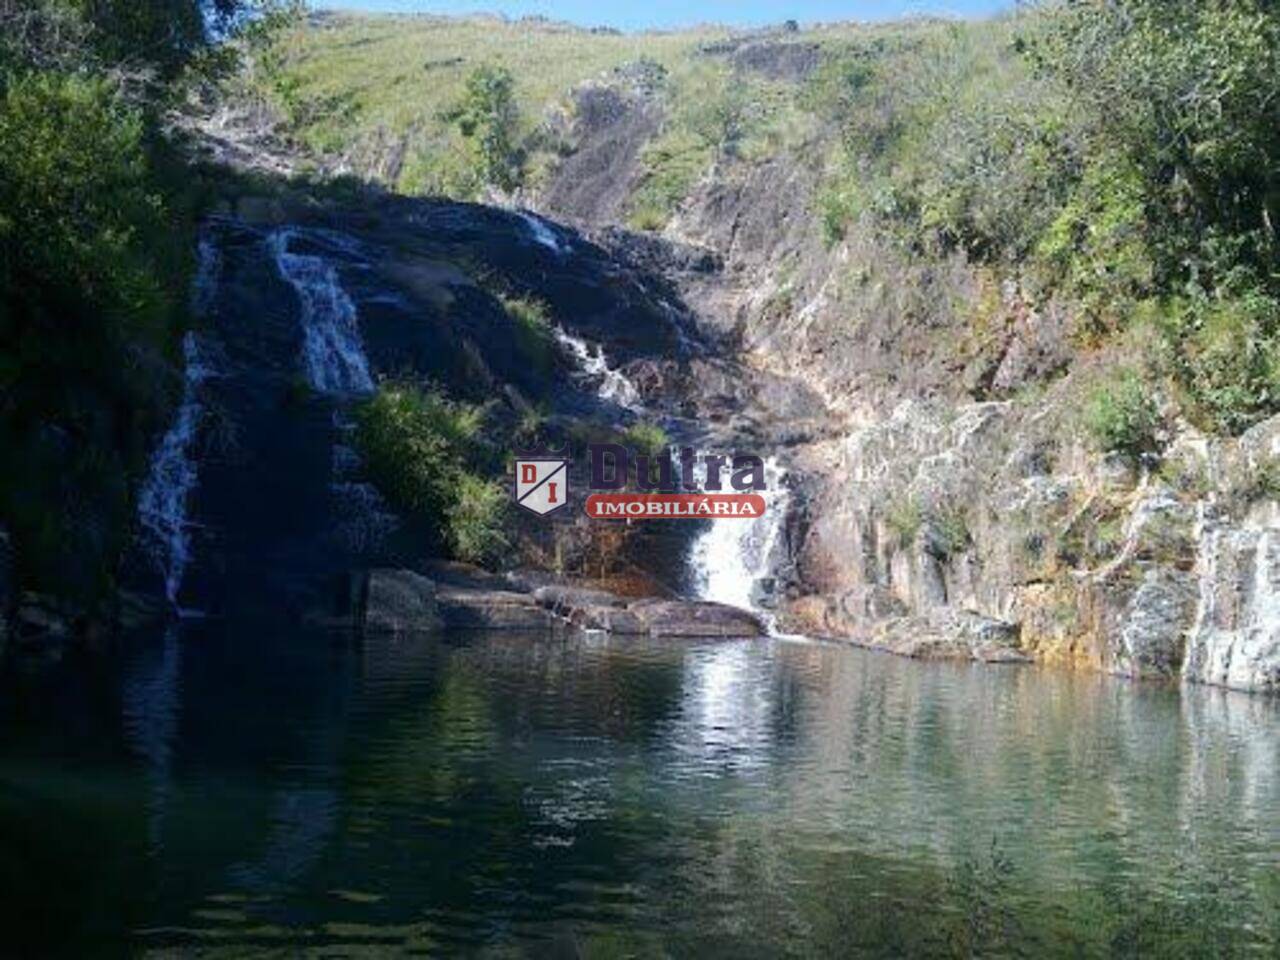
<point x="94" y="270"/>
<point x="426" y="454"/>
<point x="1126" y="155"/>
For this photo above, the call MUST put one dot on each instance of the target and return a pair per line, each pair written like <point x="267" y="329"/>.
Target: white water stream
<point x="335" y="362"/>
<point x="332" y="351"/>
<point x="732" y="562"/>
<point x="542" y="233"/>
<point x="162" y="502"/>
<point x="610" y="385"/>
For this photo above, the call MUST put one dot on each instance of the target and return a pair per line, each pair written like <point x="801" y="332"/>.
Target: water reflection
<point x="152" y="696"/>
<point x="244" y="789"/>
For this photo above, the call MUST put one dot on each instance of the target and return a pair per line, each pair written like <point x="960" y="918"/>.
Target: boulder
<point x="400" y="601"/>
<point x="464" y="608"/>
<point x="590" y="609"/>
<point x="693" y="618"/>
<point x="950" y="635"/>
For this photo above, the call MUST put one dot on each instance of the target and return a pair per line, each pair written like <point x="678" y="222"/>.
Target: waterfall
<point x="543" y="234"/>
<point x="332" y="351"/>
<point x="162" y="506"/>
<point x="334" y="359"/>
<point x="162" y="502"/>
<point x="732" y="561"/>
<point x="610" y="384"/>
<point x="362" y="518"/>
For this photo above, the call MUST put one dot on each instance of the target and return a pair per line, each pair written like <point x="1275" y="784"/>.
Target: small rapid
<point x="335" y="362"/>
<point x="610" y="384"/>
<point x="542" y="234"/>
<point x="162" y="506"/>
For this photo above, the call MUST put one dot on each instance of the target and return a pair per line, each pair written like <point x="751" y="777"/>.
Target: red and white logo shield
<point x="542" y="484"/>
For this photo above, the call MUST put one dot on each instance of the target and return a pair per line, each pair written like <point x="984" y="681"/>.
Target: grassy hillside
<point x="1123" y="157"/>
<point x="362" y="87"/>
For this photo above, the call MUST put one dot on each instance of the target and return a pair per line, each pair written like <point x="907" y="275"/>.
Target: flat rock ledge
<point x="403" y="601"/>
<point x="599" y="610"/>
<point x="951" y="635"/>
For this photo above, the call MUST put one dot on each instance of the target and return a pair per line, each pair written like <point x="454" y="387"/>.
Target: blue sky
<point x="674" y="13"/>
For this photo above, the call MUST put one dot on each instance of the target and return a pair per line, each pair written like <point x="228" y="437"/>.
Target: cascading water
<point x="610" y="384"/>
<point x="335" y="362"/>
<point x="162" y="503"/>
<point x="332" y="351"/>
<point x="732" y="561"/>
<point x="362" y="518"/>
<point x="542" y="233"/>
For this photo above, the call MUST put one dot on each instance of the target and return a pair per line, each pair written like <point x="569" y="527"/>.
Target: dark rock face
<point x="596" y="180"/>
<point x="6" y="588"/>
<point x="282" y="508"/>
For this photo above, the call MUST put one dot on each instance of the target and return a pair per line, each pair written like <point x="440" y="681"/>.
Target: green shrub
<point x="1121" y="416"/>
<point x="533" y="337"/>
<point x="647" y="439"/>
<point x="474" y="527"/>
<point x="1225" y="356"/>
<point x="92" y="303"/>
<point x="443" y="167"/>
<point x="670" y="166"/>
<point x="422" y="451"/>
<point x="950" y="528"/>
<point x="1097" y="245"/>
<point x="904" y="519"/>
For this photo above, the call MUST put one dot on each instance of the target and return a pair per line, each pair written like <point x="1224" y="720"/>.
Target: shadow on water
<point x="239" y="788"/>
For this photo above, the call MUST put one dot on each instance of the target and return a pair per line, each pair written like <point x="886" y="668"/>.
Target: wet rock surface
<point x="460" y="597"/>
<point x="282" y="506"/>
<point x="684" y="618"/>
<point x="400" y="601"/>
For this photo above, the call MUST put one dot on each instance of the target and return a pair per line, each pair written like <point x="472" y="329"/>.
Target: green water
<point x="237" y="792"/>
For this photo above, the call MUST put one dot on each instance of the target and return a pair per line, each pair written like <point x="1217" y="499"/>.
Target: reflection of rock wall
<point x="948" y="758"/>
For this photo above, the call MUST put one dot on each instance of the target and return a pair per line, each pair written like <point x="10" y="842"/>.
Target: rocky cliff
<point x="948" y="502"/>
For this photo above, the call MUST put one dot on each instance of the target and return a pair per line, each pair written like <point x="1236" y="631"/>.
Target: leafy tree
<point x="488" y="117"/>
<point x="97" y="227"/>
